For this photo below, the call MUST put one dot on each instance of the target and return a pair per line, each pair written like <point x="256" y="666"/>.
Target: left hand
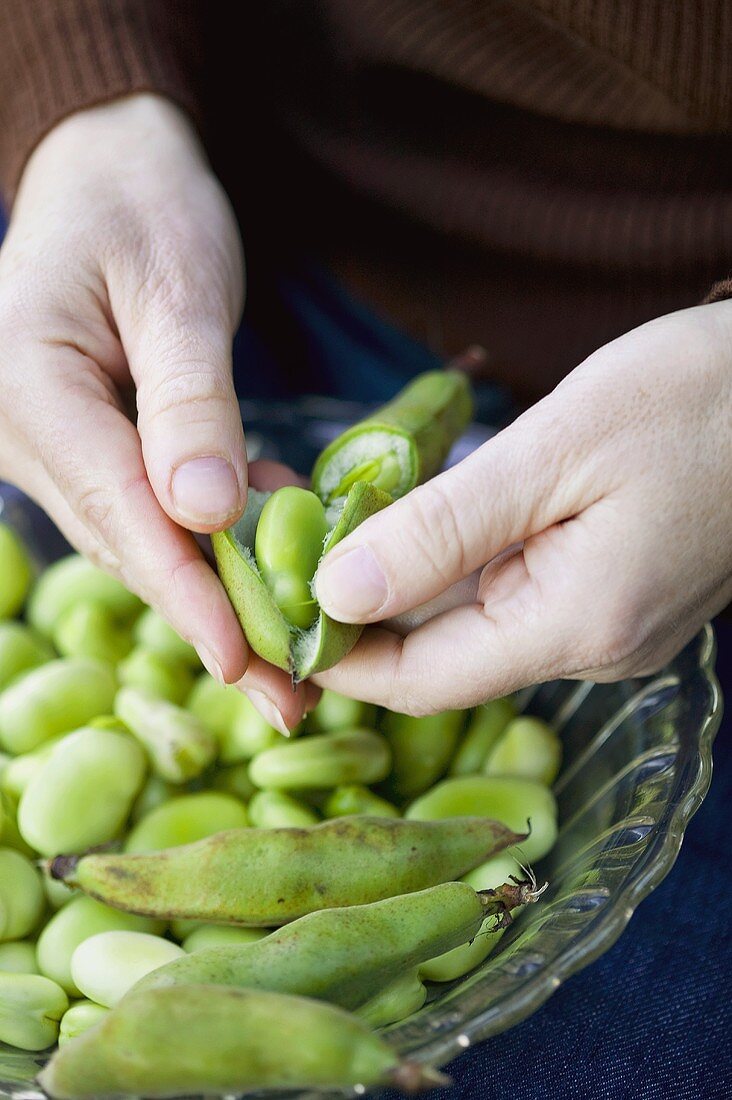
<point x="600" y="523"/>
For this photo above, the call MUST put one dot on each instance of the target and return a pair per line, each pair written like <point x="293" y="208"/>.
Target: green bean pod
<point x="271" y="876"/>
<point x="20" y="651"/>
<point x="30" y="1010"/>
<point x="16" y="572"/>
<point x="422" y="749"/>
<point x="72" y="580"/>
<point x="402" y="444"/>
<point x="302" y="652"/>
<point x="347" y="955"/>
<point x="186" y="819"/>
<point x="485" y="727"/>
<point x="83" y="792"/>
<point x="178" y="745"/>
<point x="323" y="760"/>
<point x="78" y="1019"/>
<point x="395" y="1001"/>
<point x="218" y="1040"/>
<point x="162" y="675"/>
<point x="53" y="699"/>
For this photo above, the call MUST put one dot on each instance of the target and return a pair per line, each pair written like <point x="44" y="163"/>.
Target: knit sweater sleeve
<point x="59" y="56"/>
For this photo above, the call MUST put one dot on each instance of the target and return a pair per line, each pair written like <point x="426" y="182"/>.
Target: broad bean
<point x="20" y="651"/>
<point x="288" y="546"/>
<point x="239" y="728"/>
<point x="185" y="819"/>
<point x="271" y="876"/>
<point x="323" y="760"/>
<point x="528" y="748"/>
<point x="152" y="632"/>
<point x="9" y="833"/>
<point x="18" y="957"/>
<point x="178" y="745"/>
<point x="22" y="900"/>
<point x="337" y="712"/>
<point x="78" y="1019"/>
<point x="162" y="675"/>
<point x="511" y="801"/>
<point x="30" y="1010"/>
<point x="421" y="748"/>
<point x="155" y="793"/>
<point x="21" y="769"/>
<point x="278" y="810"/>
<point x="218" y="1040"/>
<point x="395" y="1001"/>
<point x="16" y="572"/>
<point x="53" y="699"/>
<point x="72" y="580"/>
<point x="89" y="629"/>
<point x="76" y="922"/>
<point x="355" y="799"/>
<point x="107" y="965"/>
<point x="83" y="792"/>
<point x="485" y="727"/>
<point x="234" y="780"/>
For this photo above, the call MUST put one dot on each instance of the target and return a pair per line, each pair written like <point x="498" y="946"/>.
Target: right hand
<point x="122" y="271"/>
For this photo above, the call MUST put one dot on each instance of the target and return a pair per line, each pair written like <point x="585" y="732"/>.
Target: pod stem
<point x="62" y="867"/>
<point x="411" y="1077"/>
<point x="510" y="895"/>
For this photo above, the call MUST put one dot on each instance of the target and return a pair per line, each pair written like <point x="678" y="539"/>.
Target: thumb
<point x="517" y="484"/>
<point x="179" y="352"/>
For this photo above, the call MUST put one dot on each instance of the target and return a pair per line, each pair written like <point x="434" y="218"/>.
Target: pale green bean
<point x="66" y="583"/>
<point x="18" y="957"/>
<point x="30" y="1010"/>
<point x="16" y="572"/>
<point x="104" y="967"/>
<point x="20" y="651"/>
<point x="22" y="900"/>
<point x="187" y="818"/>
<point x="161" y="674"/>
<point x="178" y="745"/>
<point x="80" y="1018"/>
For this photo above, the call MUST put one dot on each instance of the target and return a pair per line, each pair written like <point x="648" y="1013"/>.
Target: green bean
<point x="288" y="546"/>
<point x="16" y="572"/>
<point x="90" y="629"/>
<point x="337" y="712"/>
<point x="511" y="801"/>
<point x="18" y="957"/>
<point x="270" y="876"/>
<point x="269" y="632"/>
<point x="30" y="1010"/>
<point x="9" y="832"/>
<point x="178" y="745"/>
<point x="21" y="769"/>
<point x="71" y="580"/>
<point x="277" y="810"/>
<point x="107" y="965"/>
<point x="485" y="727"/>
<point x="22" y="900"/>
<point x="206" y="936"/>
<point x="83" y="792"/>
<point x="57" y="893"/>
<point x="346" y="955"/>
<point x="395" y="1001"/>
<point x="464" y="958"/>
<point x="323" y="760"/>
<point x="80" y="1018"/>
<point x="163" y="676"/>
<point x="355" y="799"/>
<point x="76" y="922"/>
<point x="20" y="651"/>
<point x="528" y="748"/>
<point x="218" y="1040"/>
<point x="152" y="632"/>
<point x="53" y="699"/>
<point x="155" y="793"/>
<point x="421" y="750"/>
<point x="403" y="443"/>
<point x="185" y="819"/>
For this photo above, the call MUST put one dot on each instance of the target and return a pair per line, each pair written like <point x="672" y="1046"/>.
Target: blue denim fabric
<point x="650" y="1020"/>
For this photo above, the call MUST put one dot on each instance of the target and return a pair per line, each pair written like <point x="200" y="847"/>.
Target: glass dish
<point x="637" y="765"/>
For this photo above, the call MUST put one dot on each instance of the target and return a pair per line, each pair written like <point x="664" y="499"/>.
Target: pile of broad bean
<point x="305" y="890"/>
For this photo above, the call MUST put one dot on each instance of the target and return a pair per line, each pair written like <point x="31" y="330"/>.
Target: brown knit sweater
<point x="535" y="175"/>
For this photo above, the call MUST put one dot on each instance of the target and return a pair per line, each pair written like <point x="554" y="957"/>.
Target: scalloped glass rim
<point x="638" y="763"/>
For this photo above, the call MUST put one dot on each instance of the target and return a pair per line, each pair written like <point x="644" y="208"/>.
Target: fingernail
<point x="209" y="662"/>
<point x="268" y="710"/>
<point x="352" y="586"/>
<point x="206" y="490"/>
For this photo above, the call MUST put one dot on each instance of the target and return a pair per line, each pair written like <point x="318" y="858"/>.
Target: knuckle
<point x="203" y="391"/>
<point x="435" y="533"/>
